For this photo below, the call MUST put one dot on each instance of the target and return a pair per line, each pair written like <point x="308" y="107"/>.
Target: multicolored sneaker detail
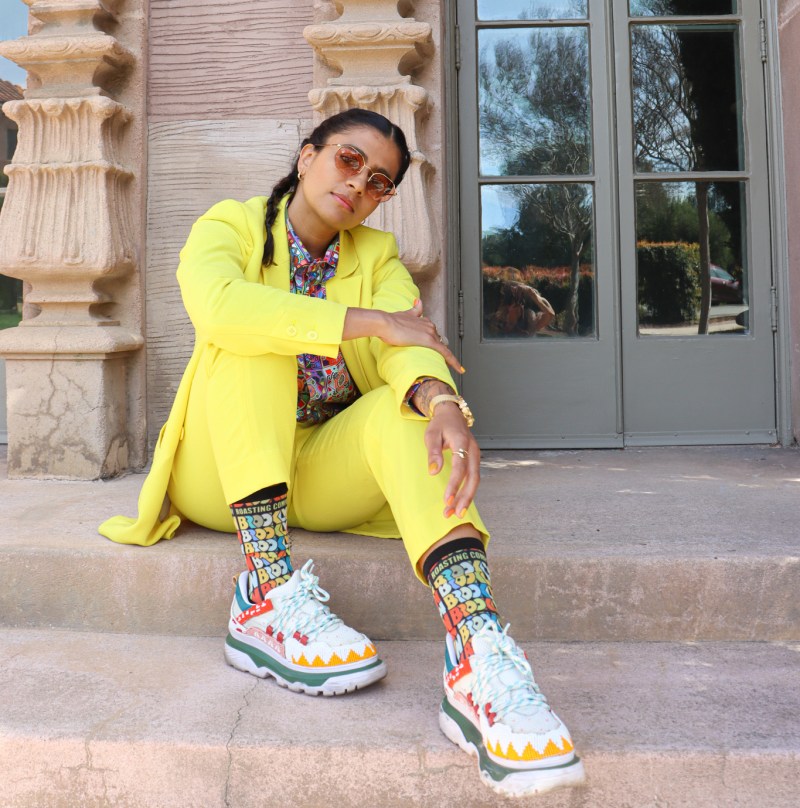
<point x="493" y="708"/>
<point x="294" y="637"/>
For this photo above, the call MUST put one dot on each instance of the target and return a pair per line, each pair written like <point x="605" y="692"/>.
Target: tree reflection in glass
<point x="687" y="114"/>
<point x="535" y="121"/>
<point x="537" y="242"/>
<point x="667" y="8"/>
<point x="669" y="237"/>
<point x="686" y="102"/>
<point x="531" y="9"/>
<point x="533" y="96"/>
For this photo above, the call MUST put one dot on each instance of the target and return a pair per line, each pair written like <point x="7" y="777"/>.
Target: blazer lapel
<point x="345" y="285"/>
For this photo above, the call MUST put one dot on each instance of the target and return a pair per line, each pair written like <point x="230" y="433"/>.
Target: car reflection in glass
<point x="724" y="287"/>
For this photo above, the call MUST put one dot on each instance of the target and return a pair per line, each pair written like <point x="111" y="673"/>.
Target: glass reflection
<point x="687" y="106"/>
<point x="533" y="96"/>
<point x="531" y="9"/>
<point x="692" y="276"/>
<point x="686" y="8"/>
<point x="537" y="243"/>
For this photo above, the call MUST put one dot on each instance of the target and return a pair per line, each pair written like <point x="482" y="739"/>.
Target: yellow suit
<point x="234" y="412"/>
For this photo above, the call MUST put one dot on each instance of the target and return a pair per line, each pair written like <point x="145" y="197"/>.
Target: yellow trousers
<point x="363" y="471"/>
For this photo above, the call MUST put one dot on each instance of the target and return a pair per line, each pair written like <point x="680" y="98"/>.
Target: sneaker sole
<point x="248" y="659"/>
<point x="509" y="782"/>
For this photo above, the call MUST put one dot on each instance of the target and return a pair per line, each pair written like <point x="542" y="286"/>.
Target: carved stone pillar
<point x="68" y="229"/>
<point x="370" y="43"/>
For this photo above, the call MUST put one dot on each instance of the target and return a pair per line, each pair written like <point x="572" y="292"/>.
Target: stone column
<point x="69" y="228"/>
<point x="370" y="44"/>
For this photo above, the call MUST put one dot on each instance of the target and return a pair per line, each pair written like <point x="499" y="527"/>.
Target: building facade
<point x="632" y="161"/>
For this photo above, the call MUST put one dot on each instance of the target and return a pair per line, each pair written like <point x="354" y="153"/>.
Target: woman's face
<point x="326" y="199"/>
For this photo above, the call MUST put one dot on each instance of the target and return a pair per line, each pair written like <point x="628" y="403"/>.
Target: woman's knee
<point x="386" y="413"/>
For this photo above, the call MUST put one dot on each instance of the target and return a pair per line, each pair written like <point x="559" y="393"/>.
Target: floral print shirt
<point x="324" y="386"/>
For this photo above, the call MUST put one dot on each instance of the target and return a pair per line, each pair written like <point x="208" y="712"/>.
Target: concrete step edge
<point x="101" y="720"/>
<point x="185" y="587"/>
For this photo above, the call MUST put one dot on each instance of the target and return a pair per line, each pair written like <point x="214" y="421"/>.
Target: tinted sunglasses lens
<point x="379" y="185"/>
<point x="348" y="160"/>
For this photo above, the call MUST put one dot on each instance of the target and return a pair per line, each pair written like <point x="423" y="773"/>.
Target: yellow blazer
<point x="240" y="306"/>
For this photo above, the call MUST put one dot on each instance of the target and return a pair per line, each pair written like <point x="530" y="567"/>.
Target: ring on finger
<point x="462" y="453"/>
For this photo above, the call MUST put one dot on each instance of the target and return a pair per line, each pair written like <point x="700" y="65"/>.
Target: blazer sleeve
<point x="246" y="317"/>
<point x="400" y="367"/>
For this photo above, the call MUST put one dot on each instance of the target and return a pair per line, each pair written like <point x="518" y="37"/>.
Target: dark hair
<point x="341" y="122"/>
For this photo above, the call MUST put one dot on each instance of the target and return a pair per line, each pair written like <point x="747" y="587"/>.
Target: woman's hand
<point x="400" y="328"/>
<point x="449" y="431"/>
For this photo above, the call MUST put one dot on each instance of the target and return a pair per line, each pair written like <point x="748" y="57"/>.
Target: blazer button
<point x="312" y="335"/>
<point x="291" y="331"/>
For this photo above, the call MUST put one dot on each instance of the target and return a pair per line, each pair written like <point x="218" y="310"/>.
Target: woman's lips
<point x="345" y="202"/>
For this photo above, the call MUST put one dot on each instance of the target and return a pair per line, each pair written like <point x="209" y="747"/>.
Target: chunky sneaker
<point x="492" y="708"/>
<point x="294" y="637"/>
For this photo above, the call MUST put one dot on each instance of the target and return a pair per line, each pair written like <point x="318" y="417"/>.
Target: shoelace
<point x="310" y="622"/>
<point x="505" y="655"/>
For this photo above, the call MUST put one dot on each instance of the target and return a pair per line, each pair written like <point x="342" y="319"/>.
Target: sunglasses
<point x="351" y="161"/>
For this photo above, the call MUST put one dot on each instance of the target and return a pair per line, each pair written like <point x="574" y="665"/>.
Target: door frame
<point x="778" y="221"/>
<point x="452" y="181"/>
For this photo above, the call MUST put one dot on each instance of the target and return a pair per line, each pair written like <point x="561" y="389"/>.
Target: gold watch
<point x="462" y="405"/>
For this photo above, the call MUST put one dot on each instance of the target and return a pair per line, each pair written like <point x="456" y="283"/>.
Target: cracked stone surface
<point x="116" y="720"/>
<point x="67" y="418"/>
<point x="245" y="705"/>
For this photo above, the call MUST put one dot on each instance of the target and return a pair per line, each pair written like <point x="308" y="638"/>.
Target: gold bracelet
<point x="462" y="405"/>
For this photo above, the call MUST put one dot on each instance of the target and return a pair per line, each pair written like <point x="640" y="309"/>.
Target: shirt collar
<point x="302" y="258"/>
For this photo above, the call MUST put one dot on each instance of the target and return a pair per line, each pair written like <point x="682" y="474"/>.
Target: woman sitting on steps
<point x="318" y="396"/>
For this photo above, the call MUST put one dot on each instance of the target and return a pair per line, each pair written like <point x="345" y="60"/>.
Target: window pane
<point x="686" y="8"/>
<point x="531" y="9"/>
<point x="534" y="103"/>
<point x="680" y="226"/>
<point x="687" y="106"/>
<point x="537" y="240"/>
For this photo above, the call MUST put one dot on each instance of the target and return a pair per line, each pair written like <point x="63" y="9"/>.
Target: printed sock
<point x="261" y="524"/>
<point x="458" y="575"/>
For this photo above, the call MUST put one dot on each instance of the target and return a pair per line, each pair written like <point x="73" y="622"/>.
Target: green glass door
<point x="536" y="206"/>
<point x="697" y="289"/>
<point x="613" y="160"/>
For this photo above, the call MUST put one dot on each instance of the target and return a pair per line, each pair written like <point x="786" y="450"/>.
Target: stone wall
<point x="228" y="104"/>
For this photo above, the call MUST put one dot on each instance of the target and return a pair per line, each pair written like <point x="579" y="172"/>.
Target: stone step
<point x="665" y="544"/>
<point x="100" y="720"/>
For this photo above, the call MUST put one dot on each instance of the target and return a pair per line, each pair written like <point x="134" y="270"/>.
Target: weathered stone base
<point x="67" y="418"/>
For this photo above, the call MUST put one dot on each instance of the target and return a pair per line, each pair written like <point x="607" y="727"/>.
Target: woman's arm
<point x="242" y="316"/>
<point x="400" y="329"/>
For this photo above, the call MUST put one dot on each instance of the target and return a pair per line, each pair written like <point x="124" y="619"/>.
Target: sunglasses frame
<point x="384" y="197"/>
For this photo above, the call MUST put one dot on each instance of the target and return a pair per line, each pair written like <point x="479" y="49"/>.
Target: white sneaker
<point x="295" y="638"/>
<point x="493" y="708"/>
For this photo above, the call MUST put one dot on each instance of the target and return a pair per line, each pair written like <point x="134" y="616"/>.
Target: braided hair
<point x="349" y="119"/>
